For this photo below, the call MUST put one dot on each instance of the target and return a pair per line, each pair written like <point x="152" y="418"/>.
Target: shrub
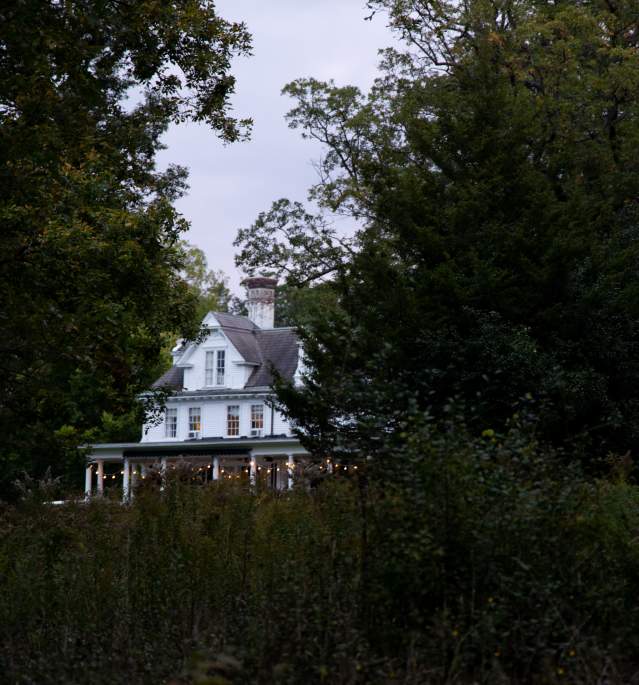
<point x="457" y="559"/>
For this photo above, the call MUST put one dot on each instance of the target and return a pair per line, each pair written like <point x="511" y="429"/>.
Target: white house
<point x="220" y="418"/>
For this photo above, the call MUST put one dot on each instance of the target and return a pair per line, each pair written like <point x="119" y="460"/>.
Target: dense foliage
<point x="487" y="561"/>
<point x="493" y="170"/>
<point x="210" y="288"/>
<point x="89" y="260"/>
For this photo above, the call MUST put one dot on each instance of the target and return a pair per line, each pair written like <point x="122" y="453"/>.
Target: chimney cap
<point x="260" y="282"/>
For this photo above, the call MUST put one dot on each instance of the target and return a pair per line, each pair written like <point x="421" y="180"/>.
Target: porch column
<point x="126" y="481"/>
<point x="290" y="465"/>
<point x="253" y="471"/>
<point x="162" y="473"/>
<point x="88" y="475"/>
<point x="216" y="468"/>
<point x="134" y="479"/>
<point x="100" y="477"/>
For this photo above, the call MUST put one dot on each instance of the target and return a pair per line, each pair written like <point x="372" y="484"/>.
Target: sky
<point x="230" y="185"/>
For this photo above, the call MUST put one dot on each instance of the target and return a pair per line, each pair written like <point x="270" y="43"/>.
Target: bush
<point x="455" y="560"/>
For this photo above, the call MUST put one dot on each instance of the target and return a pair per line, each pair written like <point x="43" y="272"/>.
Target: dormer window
<point x="219" y="376"/>
<point x="209" y="368"/>
<point x="215" y="367"/>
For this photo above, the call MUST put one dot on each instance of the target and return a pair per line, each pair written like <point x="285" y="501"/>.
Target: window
<point x="170" y="423"/>
<point x="219" y="379"/>
<point x="194" y="422"/>
<point x="257" y="419"/>
<point x="214" y="368"/>
<point x="209" y="368"/>
<point x="233" y="420"/>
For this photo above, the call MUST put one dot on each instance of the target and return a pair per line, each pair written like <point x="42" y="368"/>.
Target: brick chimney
<point x="261" y="300"/>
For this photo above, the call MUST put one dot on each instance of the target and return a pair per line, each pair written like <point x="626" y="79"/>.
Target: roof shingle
<point x="173" y="379"/>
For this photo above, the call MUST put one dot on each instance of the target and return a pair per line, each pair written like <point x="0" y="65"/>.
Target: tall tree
<point x="89" y="255"/>
<point x="210" y="288"/>
<point x="493" y="169"/>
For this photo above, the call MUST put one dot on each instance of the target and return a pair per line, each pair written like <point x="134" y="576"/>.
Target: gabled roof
<point x="241" y="332"/>
<point x="265" y="348"/>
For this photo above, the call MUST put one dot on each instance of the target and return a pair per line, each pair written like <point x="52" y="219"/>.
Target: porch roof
<point x="201" y="447"/>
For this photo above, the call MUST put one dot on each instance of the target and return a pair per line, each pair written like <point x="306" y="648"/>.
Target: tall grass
<point x="483" y="560"/>
<point x="104" y="593"/>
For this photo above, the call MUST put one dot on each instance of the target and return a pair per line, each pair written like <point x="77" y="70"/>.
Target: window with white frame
<point x="194" y="422"/>
<point x="209" y="368"/>
<point x="233" y="420"/>
<point x="214" y="367"/>
<point x="220" y="368"/>
<point x="170" y="422"/>
<point x="257" y="419"/>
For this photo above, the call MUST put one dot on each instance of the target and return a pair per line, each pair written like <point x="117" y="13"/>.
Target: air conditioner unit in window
<point x="256" y="432"/>
<point x="194" y="434"/>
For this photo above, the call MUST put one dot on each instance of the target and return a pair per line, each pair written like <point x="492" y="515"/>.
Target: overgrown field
<point x="486" y="560"/>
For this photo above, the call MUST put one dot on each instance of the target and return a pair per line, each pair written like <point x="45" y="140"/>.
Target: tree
<point x="89" y="251"/>
<point x="493" y="170"/>
<point x="210" y="288"/>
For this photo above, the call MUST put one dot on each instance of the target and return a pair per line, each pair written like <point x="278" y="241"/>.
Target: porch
<point x="271" y="461"/>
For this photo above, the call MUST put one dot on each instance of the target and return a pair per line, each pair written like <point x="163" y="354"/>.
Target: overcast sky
<point x="230" y="185"/>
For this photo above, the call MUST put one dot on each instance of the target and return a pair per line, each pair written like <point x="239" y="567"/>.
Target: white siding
<point x="213" y="413"/>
